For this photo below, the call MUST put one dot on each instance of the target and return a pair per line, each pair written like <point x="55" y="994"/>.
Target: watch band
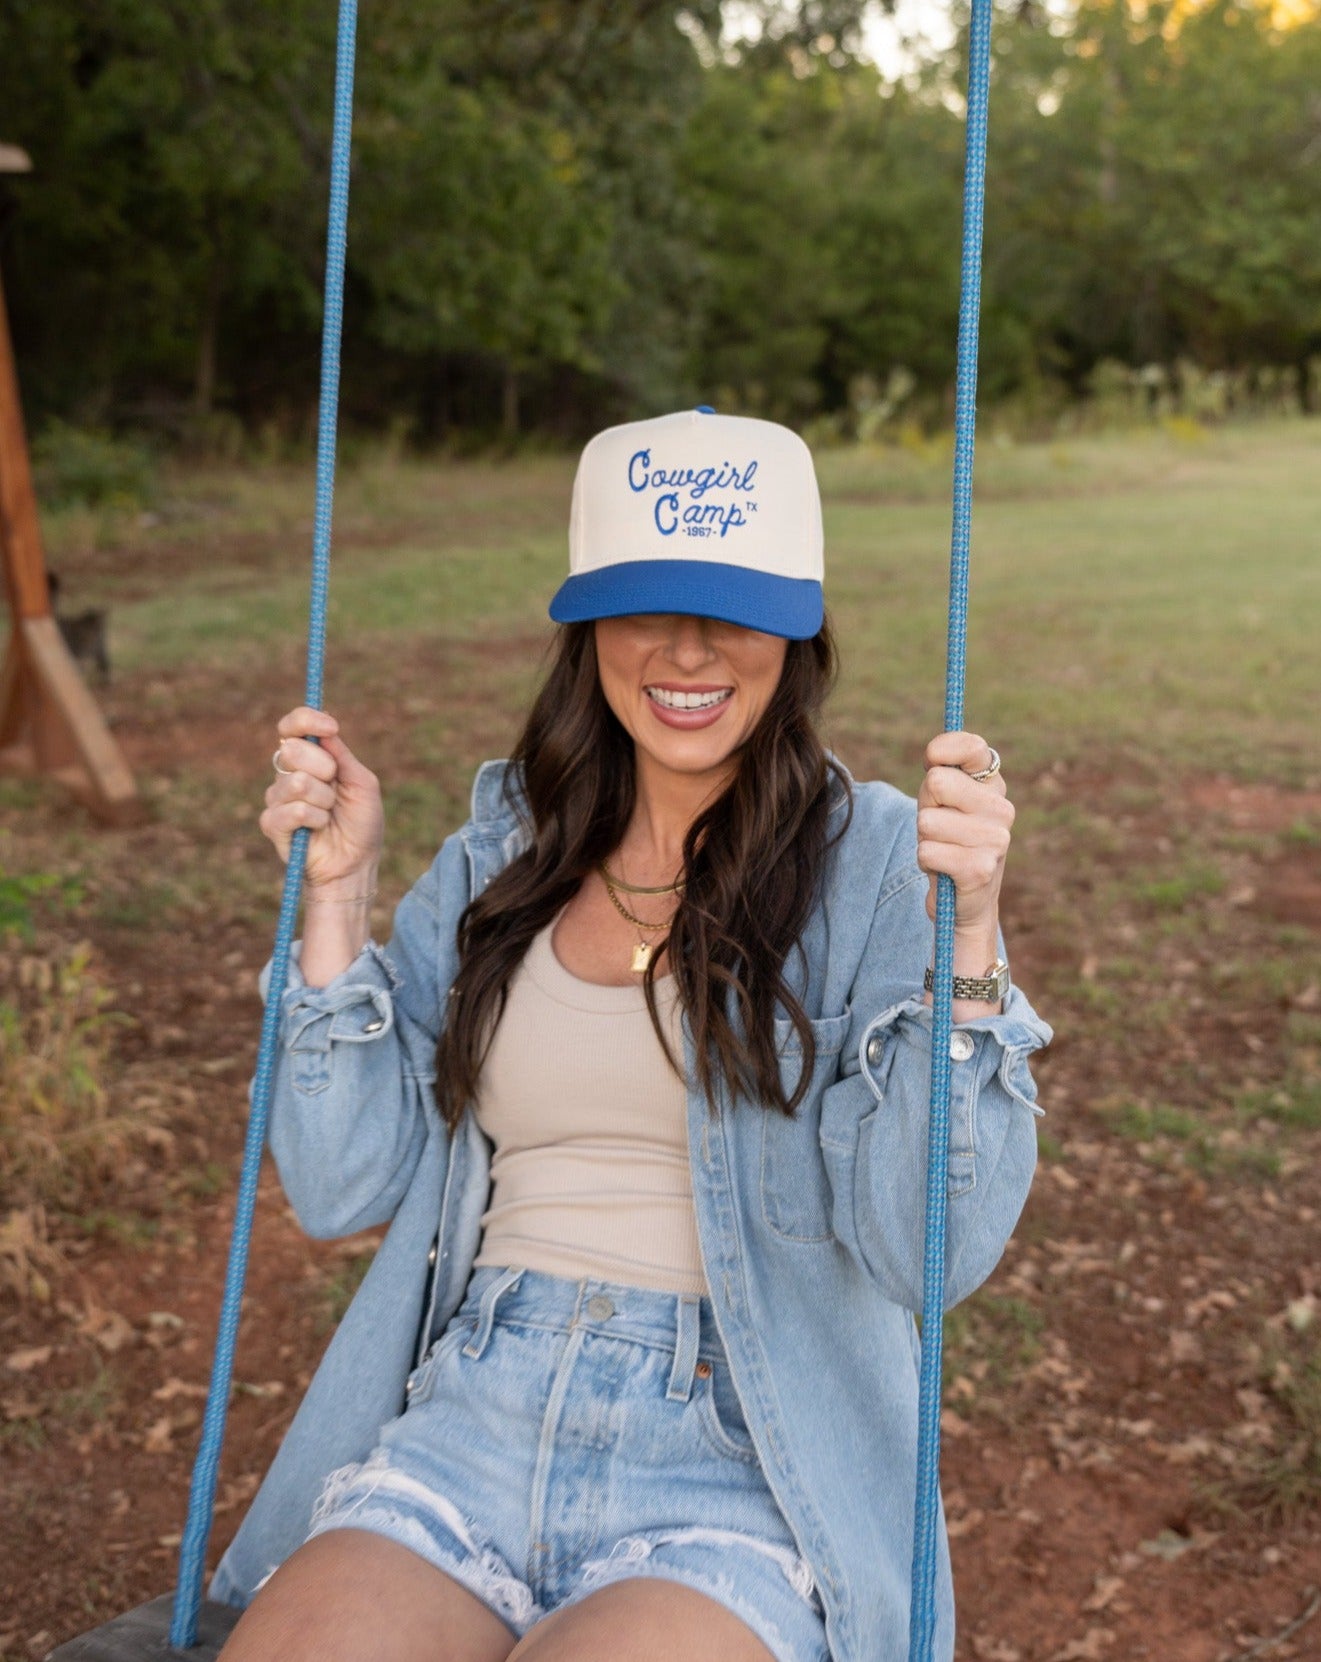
<point x="985" y="988"/>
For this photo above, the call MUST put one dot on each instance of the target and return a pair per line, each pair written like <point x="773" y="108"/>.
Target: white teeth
<point x="687" y="701"/>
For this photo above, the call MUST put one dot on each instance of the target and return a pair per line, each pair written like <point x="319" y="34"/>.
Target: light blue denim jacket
<point x="810" y="1229"/>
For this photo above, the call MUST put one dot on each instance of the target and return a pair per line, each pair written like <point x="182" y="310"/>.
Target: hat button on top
<point x="706" y="409"/>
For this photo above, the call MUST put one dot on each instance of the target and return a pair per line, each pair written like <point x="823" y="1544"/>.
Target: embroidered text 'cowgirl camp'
<point x="695" y="518"/>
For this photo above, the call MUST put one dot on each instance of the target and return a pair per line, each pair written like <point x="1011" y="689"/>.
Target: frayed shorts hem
<point x="512" y="1602"/>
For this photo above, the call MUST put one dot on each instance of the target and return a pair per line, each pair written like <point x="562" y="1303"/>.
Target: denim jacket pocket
<point x="795" y="1189"/>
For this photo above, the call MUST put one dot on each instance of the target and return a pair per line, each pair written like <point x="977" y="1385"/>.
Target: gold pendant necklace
<point x="644" y="951"/>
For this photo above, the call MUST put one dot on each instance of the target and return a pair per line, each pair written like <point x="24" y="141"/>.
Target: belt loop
<point x="503" y="1282"/>
<point x="687" y="1331"/>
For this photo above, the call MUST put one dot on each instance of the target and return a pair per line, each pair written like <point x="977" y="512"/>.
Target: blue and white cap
<point x="710" y="515"/>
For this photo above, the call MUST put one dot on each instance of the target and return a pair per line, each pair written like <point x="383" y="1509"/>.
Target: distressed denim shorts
<point x="561" y="1435"/>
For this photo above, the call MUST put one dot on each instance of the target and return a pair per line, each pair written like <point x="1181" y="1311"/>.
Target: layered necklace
<point x="645" y="950"/>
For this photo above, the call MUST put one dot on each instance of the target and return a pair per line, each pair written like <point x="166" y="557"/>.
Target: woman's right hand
<point x="327" y="789"/>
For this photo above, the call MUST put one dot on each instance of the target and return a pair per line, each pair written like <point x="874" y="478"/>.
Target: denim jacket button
<point x="374" y="1026"/>
<point x="431" y="1256"/>
<point x="961" y="1046"/>
<point x="875" y="1049"/>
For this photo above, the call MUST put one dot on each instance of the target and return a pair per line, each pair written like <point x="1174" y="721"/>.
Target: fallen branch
<point x="1295" y="1626"/>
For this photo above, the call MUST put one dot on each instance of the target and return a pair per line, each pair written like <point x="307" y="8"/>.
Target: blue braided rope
<point x="922" y="1616"/>
<point x="201" y="1500"/>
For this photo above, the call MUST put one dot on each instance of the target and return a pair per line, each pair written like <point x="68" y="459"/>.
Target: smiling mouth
<point x="687" y="700"/>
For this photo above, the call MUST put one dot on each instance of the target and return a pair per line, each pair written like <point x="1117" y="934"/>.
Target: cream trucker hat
<point x="715" y="516"/>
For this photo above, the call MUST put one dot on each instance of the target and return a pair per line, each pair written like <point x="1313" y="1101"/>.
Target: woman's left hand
<point x="963" y="830"/>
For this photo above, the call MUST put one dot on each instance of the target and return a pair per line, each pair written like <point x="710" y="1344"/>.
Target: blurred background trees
<point x="570" y="210"/>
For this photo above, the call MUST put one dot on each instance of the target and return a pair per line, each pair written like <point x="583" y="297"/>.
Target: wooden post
<point x="49" y="721"/>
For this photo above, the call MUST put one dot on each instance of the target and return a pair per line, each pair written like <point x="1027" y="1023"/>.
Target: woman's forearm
<point x="336" y="926"/>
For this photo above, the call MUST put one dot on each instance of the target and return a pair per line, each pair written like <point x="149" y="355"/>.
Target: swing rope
<point x="201" y="1499"/>
<point x="192" y="1551"/>
<point x="922" y="1608"/>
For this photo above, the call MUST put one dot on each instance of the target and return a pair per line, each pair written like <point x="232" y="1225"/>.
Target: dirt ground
<point x="1131" y="1450"/>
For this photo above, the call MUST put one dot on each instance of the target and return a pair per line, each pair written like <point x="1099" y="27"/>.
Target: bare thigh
<point x="644" y="1619"/>
<point x="357" y="1597"/>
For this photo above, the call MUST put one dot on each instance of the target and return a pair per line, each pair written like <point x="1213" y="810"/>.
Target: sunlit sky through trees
<point x="898" y="39"/>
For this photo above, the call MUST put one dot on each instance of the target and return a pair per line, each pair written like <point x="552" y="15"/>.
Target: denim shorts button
<point x="599" y="1307"/>
<point x="875" y="1050"/>
<point x="961" y="1046"/>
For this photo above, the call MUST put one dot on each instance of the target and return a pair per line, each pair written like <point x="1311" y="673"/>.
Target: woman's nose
<point x="690" y="643"/>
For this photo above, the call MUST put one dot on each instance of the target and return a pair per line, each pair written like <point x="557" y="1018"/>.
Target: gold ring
<point x="990" y="772"/>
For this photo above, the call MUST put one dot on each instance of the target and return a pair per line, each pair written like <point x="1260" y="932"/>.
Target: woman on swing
<point x="641" y="1084"/>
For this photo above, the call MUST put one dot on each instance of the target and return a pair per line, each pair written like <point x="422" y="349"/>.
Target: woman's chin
<point x="694" y="750"/>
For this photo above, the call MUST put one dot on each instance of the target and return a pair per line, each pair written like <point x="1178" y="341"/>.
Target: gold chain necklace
<point x="637" y="888"/>
<point x="644" y="951"/>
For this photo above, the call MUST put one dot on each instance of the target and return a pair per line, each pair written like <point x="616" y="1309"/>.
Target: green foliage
<point x="562" y="210"/>
<point x="1150" y="191"/>
<point x="18" y="895"/>
<point x="81" y="467"/>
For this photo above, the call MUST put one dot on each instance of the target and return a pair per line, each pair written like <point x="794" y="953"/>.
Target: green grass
<point x="1049" y="1147"/>
<point x="1295" y="1103"/>
<point x="335" y="1294"/>
<point x="1141" y="608"/>
<point x="1279" y="1478"/>
<point x="28" y="1435"/>
<point x="989" y="1340"/>
<point x="91" y="1403"/>
<point x="1201" y="1141"/>
<point x="1131" y="594"/>
<point x="1176" y="891"/>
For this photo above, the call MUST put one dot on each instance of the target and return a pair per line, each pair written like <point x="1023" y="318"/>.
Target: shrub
<point x="56" y="1131"/>
<point x="17" y="895"/>
<point x="82" y="467"/>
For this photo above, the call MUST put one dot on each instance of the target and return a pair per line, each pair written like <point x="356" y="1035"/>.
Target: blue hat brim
<point x="788" y="606"/>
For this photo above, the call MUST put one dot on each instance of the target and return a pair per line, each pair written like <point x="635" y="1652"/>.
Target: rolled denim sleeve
<point x="887" y="1081"/>
<point x="354" y="1083"/>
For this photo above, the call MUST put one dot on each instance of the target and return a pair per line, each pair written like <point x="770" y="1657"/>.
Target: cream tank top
<point x="589" y="1170"/>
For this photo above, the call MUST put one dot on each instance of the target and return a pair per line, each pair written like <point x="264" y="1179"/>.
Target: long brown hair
<point x="752" y="863"/>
